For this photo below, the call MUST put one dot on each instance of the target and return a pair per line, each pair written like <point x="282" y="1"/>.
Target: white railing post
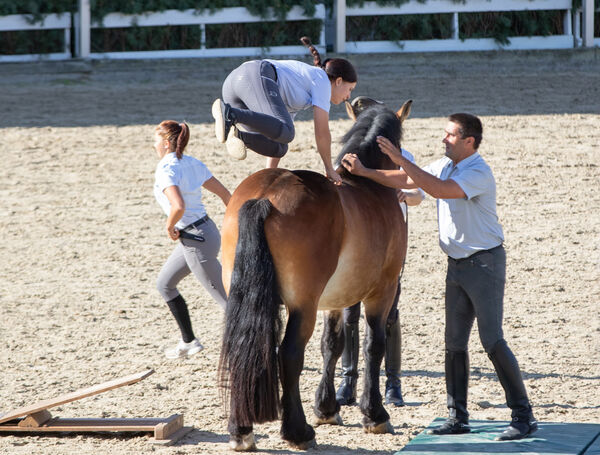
<point x="567" y="21"/>
<point x="587" y="30"/>
<point x="322" y="39"/>
<point x="339" y="11"/>
<point x="84" y="26"/>
<point x="67" y="35"/>
<point x="455" y="26"/>
<point x="577" y="27"/>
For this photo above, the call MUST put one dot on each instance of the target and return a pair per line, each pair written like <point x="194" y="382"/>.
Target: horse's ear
<point x="404" y="111"/>
<point x="350" y="111"/>
<point x="360" y="104"/>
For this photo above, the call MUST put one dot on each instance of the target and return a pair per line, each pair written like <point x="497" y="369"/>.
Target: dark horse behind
<point x="293" y="238"/>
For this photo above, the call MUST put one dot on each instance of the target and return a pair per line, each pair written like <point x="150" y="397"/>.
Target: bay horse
<point x="294" y="239"/>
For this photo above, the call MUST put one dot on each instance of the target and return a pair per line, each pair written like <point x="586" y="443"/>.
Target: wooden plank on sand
<point x="89" y="424"/>
<point x="73" y="396"/>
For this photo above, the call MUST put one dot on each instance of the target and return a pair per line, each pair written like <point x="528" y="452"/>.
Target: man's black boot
<point x="451" y="426"/>
<point x="507" y="368"/>
<point x="393" y="364"/>
<point x="519" y="428"/>
<point x="346" y="393"/>
<point x="457" y="382"/>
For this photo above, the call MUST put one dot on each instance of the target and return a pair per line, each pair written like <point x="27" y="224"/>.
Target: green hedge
<point x="37" y="7"/>
<point x="399" y="28"/>
<point x="100" y="8"/>
<point x="497" y="25"/>
<point x="500" y="25"/>
<point x="261" y="34"/>
<point x="32" y="42"/>
<point x="188" y="37"/>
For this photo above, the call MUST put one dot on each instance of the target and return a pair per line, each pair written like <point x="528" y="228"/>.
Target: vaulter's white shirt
<point x="302" y="86"/>
<point x="188" y="174"/>
<point x="467" y="225"/>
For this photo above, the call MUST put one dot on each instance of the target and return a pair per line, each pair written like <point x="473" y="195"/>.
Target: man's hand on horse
<point x="386" y="146"/>
<point x="401" y="196"/>
<point x="353" y="164"/>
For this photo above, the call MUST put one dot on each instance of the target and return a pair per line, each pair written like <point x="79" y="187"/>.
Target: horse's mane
<point x="376" y="121"/>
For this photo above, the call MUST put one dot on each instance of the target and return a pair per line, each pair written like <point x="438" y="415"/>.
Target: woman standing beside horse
<point x="346" y="393"/>
<point x="179" y="180"/>
<point x="261" y="98"/>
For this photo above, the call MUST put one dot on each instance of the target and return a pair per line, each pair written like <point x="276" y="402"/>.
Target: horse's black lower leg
<point x="370" y="403"/>
<point x="332" y="344"/>
<point x="294" y="428"/>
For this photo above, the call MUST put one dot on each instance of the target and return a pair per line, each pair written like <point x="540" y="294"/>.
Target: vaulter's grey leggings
<point x="197" y="257"/>
<point x="252" y="91"/>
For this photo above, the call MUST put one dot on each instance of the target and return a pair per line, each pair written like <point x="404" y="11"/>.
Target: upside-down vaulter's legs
<point x="294" y="428"/>
<point x="332" y="344"/>
<point x="376" y="418"/>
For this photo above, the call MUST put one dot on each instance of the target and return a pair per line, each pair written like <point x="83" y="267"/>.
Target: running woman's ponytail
<point x="177" y="134"/>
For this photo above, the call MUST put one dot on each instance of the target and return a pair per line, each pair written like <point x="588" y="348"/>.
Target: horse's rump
<point x="274" y="252"/>
<point x="304" y="230"/>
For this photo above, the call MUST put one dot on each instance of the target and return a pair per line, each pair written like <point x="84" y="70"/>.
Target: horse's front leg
<point x="332" y="344"/>
<point x="294" y="428"/>
<point x="376" y="419"/>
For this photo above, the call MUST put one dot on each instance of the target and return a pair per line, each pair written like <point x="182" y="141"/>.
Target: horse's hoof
<point x="303" y="445"/>
<point x="382" y="428"/>
<point x="332" y="420"/>
<point x="243" y="443"/>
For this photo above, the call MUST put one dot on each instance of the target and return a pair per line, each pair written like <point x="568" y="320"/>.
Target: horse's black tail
<point x="248" y="365"/>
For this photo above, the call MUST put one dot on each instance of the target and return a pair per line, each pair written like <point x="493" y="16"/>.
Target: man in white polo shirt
<point x="471" y="236"/>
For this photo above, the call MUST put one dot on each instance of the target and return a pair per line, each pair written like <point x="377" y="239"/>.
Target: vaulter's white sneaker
<point x="184" y="349"/>
<point x="235" y="146"/>
<point x="222" y="124"/>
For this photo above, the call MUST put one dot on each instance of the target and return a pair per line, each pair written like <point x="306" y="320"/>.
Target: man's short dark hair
<point x="470" y="126"/>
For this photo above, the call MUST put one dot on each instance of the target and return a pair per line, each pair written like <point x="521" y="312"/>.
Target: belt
<point x="196" y="223"/>
<point x="274" y="71"/>
<point x="477" y="253"/>
<point x="188" y="235"/>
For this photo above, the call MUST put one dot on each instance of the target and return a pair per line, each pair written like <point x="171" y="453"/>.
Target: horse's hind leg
<point x="294" y="428"/>
<point x="376" y="419"/>
<point x="242" y="438"/>
<point x="332" y="343"/>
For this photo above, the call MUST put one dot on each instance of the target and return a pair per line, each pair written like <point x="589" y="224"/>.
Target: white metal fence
<point x="234" y="15"/>
<point x="18" y="22"/>
<point x="454" y="43"/>
<point x="578" y="29"/>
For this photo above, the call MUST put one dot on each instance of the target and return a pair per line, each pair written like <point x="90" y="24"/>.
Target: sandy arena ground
<point x="82" y="242"/>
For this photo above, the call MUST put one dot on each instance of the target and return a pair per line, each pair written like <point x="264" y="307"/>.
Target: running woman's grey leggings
<point x="197" y="257"/>
<point x="252" y="91"/>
